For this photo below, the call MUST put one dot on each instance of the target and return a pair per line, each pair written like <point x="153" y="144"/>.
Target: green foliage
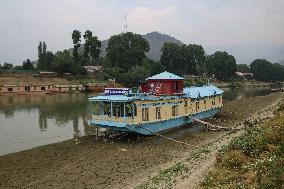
<point x="27" y="65"/>
<point x="243" y="68"/>
<point x="222" y="65"/>
<point x="92" y="46"/>
<point x="7" y="66"/>
<point x="183" y="59"/>
<point x="76" y="37"/>
<point x="164" y="177"/>
<point x="64" y="63"/>
<point x="264" y="70"/>
<point x="45" y="57"/>
<point x="253" y="160"/>
<point x="127" y="50"/>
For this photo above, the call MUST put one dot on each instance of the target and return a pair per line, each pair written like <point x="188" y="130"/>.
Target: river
<point x="30" y="121"/>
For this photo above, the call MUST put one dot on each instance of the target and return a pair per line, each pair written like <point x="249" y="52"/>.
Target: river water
<point x="30" y="121"/>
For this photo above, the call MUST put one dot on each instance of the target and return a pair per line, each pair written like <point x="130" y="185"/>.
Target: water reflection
<point x="239" y="93"/>
<point x="50" y="117"/>
<point x="60" y="107"/>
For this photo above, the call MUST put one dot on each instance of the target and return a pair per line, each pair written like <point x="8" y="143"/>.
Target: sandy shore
<point x="114" y="163"/>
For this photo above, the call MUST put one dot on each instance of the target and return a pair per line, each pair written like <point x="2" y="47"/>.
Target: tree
<point x="243" y="68"/>
<point x="136" y="75"/>
<point x="7" y="66"/>
<point x="87" y="36"/>
<point x="183" y="59"/>
<point x="63" y="62"/>
<point x="127" y="50"/>
<point x="95" y="46"/>
<point x="76" y="36"/>
<point x="264" y="70"/>
<point x="45" y="57"/>
<point x="27" y="65"/>
<point x="171" y="57"/>
<point x="222" y="65"/>
<point x="92" y="46"/>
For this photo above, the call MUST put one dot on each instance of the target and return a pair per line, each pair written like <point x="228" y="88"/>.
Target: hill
<point x="155" y="39"/>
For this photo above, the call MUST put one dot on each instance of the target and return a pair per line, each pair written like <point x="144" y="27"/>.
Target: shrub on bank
<point x="253" y="160"/>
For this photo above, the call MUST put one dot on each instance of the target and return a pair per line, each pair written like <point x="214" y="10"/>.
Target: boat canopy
<point x="199" y="92"/>
<point x="113" y="98"/>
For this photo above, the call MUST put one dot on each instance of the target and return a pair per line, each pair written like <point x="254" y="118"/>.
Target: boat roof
<point x="114" y="98"/>
<point x="165" y="75"/>
<point x="189" y="92"/>
<point x="199" y="92"/>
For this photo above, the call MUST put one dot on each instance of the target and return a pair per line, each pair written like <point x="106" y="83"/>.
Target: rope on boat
<point x="168" y="138"/>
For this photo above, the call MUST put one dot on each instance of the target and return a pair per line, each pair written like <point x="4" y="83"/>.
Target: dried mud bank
<point x="120" y="163"/>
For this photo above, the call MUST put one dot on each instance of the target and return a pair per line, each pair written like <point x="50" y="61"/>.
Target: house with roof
<point x="164" y="83"/>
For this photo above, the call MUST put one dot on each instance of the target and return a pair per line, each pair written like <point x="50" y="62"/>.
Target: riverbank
<point x="117" y="162"/>
<point x="252" y="160"/>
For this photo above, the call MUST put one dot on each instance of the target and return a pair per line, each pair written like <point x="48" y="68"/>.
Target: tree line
<point x="126" y="60"/>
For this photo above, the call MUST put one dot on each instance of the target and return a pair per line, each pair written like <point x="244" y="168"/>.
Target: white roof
<point x="165" y="75"/>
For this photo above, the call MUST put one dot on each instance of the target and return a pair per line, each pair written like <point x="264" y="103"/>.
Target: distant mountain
<point x="155" y="39"/>
<point x="281" y="62"/>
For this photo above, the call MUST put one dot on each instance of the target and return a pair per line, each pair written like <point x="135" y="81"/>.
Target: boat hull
<point x="158" y="126"/>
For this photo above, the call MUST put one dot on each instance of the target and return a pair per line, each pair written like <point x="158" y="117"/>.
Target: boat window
<point x="10" y="89"/>
<point x="130" y="109"/>
<point x="145" y="114"/>
<point x="175" y="110"/>
<point x="185" y="103"/>
<point x="219" y="99"/>
<point x="118" y="109"/>
<point x="158" y="112"/>
<point x="197" y="106"/>
<point x="205" y="104"/>
<point x="95" y="108"/>
<point x="42" y="88"/>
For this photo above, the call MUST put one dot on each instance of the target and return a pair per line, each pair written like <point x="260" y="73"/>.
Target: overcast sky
<point x="23" y="23"/>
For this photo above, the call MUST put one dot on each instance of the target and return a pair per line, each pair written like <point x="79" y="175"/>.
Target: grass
<point x="166" y="177"/>
<point x="253" y="160"/>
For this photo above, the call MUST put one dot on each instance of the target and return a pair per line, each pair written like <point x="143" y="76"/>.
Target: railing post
<point x="111" y="118"/>
<point x="124" y="112"/>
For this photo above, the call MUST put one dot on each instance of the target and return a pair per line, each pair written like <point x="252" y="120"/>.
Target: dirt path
<point x="116" y="163"/>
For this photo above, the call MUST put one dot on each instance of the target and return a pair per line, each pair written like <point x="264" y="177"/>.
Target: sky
<point x="23" y="23"/>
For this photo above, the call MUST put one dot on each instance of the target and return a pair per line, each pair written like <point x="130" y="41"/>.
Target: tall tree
<point x="39" y="48"/>
<point x="171" y="57"/>
<point x="76" y="37"/>
<point x="95" y="46"/>
<point x="222" y="65"/>
<point x="127" y="50"/>
<point x="92" y="46"/>
<point x="183" y="59"/>
<point x="27" y="65"/>
<point x="87" y="36"/>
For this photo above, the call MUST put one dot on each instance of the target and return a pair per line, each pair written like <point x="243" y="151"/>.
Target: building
<point x="164" y="83"/>
<point x="26" y="89"/>
<point x="244" y="75"/>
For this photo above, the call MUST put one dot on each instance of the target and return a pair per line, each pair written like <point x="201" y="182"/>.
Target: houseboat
<point x="163" y="104"/>
<point x="24" y="89"/>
